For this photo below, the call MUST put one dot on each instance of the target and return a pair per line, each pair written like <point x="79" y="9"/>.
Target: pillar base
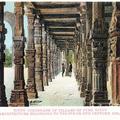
<point x="19" y="98"/>
<point x="100" y="99"/>
<point x="3" y="99"/>
<point x="32" y="95"/>
<point x="39" y="85"/>
<point x="45" y="83"/>
<point x="88" y="98"/>
<point x="50" y="80"/>
<point x="88" y="95"/>
<point x="82" y="89"/>
<point x="118" y="100"/>
<point x="39" y="80"/>
<point x="31" y="89"/>
<point x="45" y="79"/>
<point x="82" y="94"/>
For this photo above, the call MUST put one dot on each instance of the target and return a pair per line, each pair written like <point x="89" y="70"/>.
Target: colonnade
<point x="96" y="50"/>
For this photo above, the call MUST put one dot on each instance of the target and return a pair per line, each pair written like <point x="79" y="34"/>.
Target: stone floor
<point x="62" y="91"/>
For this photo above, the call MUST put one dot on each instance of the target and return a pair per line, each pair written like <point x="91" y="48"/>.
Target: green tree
<point x="8" y="58"/>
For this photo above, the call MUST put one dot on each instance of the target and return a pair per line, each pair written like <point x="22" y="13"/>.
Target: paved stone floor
<point x="62" y="91"/>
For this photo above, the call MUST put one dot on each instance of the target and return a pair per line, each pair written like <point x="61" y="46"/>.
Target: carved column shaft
<point x="30" y="55"/>
<point x="83" y="71"/>
<point x="49" y="58"/>
<point x="3" y="101"/>
<point x="83" y="59"/>
<point x="77" y="56"/>
<point x="53" y="60"/>
<point x="114" y="53"/>
<point x="67" y="58"/>
<point x="38" y="55"/>
<point x="44" y="45"/>
<point x="88" y="95"/>
<point x="19" y="96"/>
<point x="59" y="60"/>
<point x="56" y="60"/>
<point x="99" y="57"/>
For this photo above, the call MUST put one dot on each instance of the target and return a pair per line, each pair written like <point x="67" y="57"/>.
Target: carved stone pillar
<point x="59" y="61"/>
<point x="77" y="61"/>
<point x="38" y="55"/>
<point x="19" y="95"/>
<point x="3" y="101"/>
<point x="83" y="72"/>
<point x="88" y="95"/>
<point x="56" y="67"/>
<point x="114" y="53"/>
<point x="30" y="55"/>
<point x="99" y="57"/>
<point x="77" y="56"/>
<point x="53" y="59"/>
<point x="83" y="61"/>
<point x="67" y="60"/>
<point x="44" y="45"/>
<point x="49" y="59"/>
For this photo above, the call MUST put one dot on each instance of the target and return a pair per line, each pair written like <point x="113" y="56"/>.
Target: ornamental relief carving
<point x="112" y="51"/>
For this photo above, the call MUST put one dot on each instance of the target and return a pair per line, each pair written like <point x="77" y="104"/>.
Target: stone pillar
<point x="79" y="57"/>
<point x="88" y="94"/>
<point x="38" y="55"/>
<point x="44" y="45"/>
<point x="67" y="59"/>
<point x="49" y="59"/>
<point x="99" y="57"/>
<point x="83" y="72"/>
<point x="30" y="55"/>
<point x="59" y="61"/>
<point x="83" y="60"/>
<point x="114" y="53"/>
<point x="3" y="101"/>
<point x="19" y="95"/>
<point x="77" y="60"/>
<point x="55" y="56"/>
<point x="53" y="60"/>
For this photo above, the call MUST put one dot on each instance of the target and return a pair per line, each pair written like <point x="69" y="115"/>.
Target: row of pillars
<point x="98" y="51"/>
<point x="42" y="56"/>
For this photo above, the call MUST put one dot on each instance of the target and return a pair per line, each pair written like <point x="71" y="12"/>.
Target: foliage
<point x="70" y="57"/>
<point x="8" y="58"/>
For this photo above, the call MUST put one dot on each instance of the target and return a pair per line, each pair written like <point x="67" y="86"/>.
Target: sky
<point x="9" y="6"/>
